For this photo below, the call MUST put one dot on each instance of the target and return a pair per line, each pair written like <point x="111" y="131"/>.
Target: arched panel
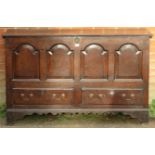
<point x="94" y="62"/>
<point x="128" y="62"/>
<point x="60" y="62"/>
<point x="26" y="62"/>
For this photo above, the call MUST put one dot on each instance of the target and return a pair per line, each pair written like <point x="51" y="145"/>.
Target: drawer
<point x="43" y="97"/>
<point x="112" y="97"/>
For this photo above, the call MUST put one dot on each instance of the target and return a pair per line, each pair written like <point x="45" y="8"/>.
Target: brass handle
<point x="22" y="94"/>
<point x="31" y="95"/>
<point x="54" y="95"/>
<point x="91" y="95"/>
<point x="129" y="101"/>
<point x="63" y="95"/>
<point x="132" y="95"/>
<point x="112" y="93"/>
<point x="123" y="95"/>
<point x="100" y="95"/>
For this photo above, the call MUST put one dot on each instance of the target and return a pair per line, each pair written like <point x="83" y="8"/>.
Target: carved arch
<point x="128" y="45"/>
<point x="25" y="62"/>
<point x="94" y="62"/>
<point x="28" y="46"/>
<point x="59" y="46"/>
<point x="94" y="45"/>
<point x="60" y="61"/>
<point x="128" y="62"/>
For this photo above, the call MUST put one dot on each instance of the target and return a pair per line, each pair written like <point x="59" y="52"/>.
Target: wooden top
<point x="12" y="32"/>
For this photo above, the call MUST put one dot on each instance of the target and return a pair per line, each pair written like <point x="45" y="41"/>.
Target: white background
<point x="77" y="13"/>
<point x="71" y="13"/>
<point x="77" y="142"/>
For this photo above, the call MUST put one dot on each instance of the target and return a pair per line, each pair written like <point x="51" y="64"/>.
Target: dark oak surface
<point x="77" y="70"/>
<point x="76" y="31"/>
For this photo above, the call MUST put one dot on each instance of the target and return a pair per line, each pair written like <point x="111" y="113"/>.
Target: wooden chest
<point x="77" y="70"/>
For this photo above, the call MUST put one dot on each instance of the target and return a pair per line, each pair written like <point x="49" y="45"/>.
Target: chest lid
<point x="72" y="31"/>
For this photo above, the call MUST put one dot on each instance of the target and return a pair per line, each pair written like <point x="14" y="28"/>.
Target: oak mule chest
<point x="77" y="70"/>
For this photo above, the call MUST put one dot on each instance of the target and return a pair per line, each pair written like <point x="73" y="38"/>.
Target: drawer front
<point x="112" y="97"/>
<point x="43" y="97"/>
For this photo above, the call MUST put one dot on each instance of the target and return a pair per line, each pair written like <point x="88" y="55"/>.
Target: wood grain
<point x="77" y="68"/>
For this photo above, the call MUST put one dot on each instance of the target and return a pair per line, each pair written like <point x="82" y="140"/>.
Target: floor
<point x="78" y="121"/>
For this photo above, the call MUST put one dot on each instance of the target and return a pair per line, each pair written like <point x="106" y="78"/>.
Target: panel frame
<point x="103" y="47"/>
<point x="138" y="53"/>
<point x="70" y="53"/>
<point x="16" y="53"/>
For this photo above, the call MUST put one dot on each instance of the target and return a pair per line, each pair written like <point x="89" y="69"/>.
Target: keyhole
<point x="77" y="41"/>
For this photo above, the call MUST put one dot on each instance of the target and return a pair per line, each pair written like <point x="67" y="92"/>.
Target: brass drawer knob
<point x="123" y="95"/>
<point x="101" y="95"/>
<point x="53" y="95"/>
<point x="112" y="93"/>
<point x="129" y="100"/>
<point x="63" y="95"/>
<point x="91" y="95"/>
<point x="31" y="95"/>
<point x="22" y="94"/>
<point x="132" y="95"/>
